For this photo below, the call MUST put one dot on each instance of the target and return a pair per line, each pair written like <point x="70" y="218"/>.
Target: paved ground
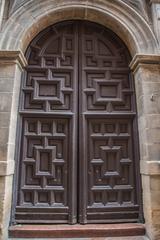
<point x="108" y="238"/>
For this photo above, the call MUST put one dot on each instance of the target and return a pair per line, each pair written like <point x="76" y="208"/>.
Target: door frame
<point x="83" y="180"/>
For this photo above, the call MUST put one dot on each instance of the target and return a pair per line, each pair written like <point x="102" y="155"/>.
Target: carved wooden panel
<point x="77" y="154"/>
<point x="49" y="81"/>
<point x="48" y="109"/>
<point x="110" y="170"/>
<point x="44" y="167"/>
<point x="107" y="115"/>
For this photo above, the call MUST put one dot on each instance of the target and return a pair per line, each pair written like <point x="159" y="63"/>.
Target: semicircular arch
<point x="34" y="16"/>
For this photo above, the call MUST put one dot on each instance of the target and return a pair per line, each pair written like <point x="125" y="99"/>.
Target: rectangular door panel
<point x="109" y="160"/>
<point x="77" y="151"/>
<point x="111" y="186"/>
<point x="45" y="172"/>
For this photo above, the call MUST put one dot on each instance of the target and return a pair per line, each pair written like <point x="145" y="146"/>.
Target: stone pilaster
<point x="2" y="5"/>
<point x="11" y="65"/>
<point x="155" y="8"/>
<point x="146" y="69"/>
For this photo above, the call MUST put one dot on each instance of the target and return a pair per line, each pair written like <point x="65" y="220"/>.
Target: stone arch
<point x="32" y="18"/>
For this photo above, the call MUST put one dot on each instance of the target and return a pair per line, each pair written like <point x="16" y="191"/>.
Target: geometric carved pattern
<point x="107" y="85"/>
<point x="77" y="112"/>
<point x="107" y="91"/>
<point x="111" y="162"/>
<point x="47" y="107"/>
<point x="48" y="93"/>
<point x="44" y="164"/>
<point x="49" y="79"/>
<point x="103" y="92"/>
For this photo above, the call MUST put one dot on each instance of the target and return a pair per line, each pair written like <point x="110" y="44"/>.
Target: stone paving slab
<point x="108" y="238"/>
<point x="77" y="231"/>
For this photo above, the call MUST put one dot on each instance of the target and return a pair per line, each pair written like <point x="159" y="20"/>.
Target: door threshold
<point x="76" y="231"/>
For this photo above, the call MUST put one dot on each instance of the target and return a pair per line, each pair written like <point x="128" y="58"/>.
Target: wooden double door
<point x="77" y="147"/>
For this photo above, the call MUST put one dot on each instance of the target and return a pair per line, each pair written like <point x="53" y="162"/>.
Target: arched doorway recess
<point x="78" y="151"/>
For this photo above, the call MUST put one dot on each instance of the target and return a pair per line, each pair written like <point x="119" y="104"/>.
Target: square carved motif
<point x="44" y="161"/>
<point x="47" y="89"/>
<point x="107" y="91"/>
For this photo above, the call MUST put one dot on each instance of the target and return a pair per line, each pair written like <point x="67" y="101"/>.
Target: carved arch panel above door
<point x="78" y="151"/>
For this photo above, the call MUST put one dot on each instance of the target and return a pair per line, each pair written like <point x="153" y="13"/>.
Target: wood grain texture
<point x="78" y="147"/>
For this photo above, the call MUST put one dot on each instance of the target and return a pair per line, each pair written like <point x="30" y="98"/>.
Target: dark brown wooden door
<point x="78" y="154"/>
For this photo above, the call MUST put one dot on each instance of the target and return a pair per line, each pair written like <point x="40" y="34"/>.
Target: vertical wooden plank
<point x="47" y="182"/>
<point x="108" y="156"/>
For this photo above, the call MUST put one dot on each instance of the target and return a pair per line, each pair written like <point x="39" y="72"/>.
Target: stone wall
<point x="23" y="22"/>
<point x="11" y="64"/>
<point x="147" y="82"/>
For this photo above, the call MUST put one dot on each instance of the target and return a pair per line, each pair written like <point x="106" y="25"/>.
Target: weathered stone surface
<point x="140" y="6"/>
<point x="5" y="204"/>
<point x="147" y="77"/>
<point x="150" y="167"/>
<point x="6" y="70"/>
<point x="7" y="167"/>
<point x="44" y="13"/>
<point x="154" y="151"/>
<point x="6" y="84"/>
<point x="77" y="231"/>
<point x="8" y="59"/>
<point x="108" y="238"/>
<point x="4" y="135"/>
<point x="27" y="21"/>
<point x="2" y="5"/>
<point x="4" y="119"/>
<point x="155" y="7"/>
<point x="6" y="101"/>
<point x="11" y="64"/>
<point x="3" y="152"/>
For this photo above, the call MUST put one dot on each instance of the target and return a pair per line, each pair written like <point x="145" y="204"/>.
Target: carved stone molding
<point x="6" y="168"/>
<point x="154" y="1"/>
<point x="150" y="167"/>
<point x="30" y="19"/>
<point x="144" y="59"/>
<point x="8" y="57"/>
<point x="141" y="6"/>
<point x="15" y="4"/>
